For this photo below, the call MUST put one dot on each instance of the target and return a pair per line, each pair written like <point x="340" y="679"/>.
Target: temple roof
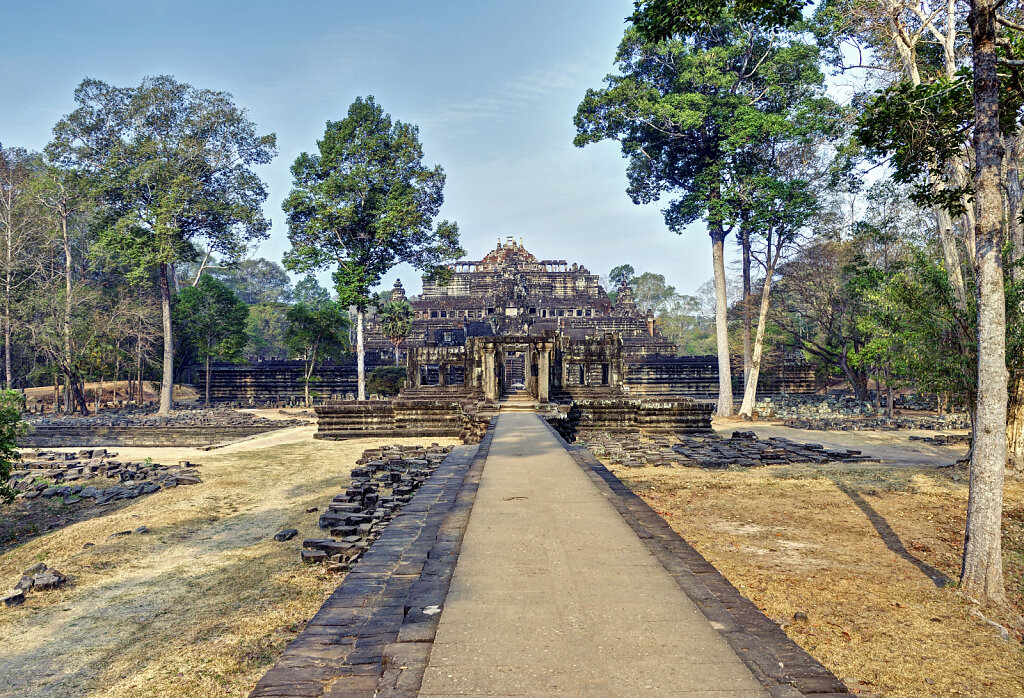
<point x="513" y="254"/>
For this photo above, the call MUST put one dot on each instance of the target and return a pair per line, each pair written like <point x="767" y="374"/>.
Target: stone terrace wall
<point x="74" y="436"/>
<point x="675" y="376"/>
<point x="780" y="375"/>
<point x="278" y="381"/>
<point x="635" y="416"/>
<point x="403" y="416"/>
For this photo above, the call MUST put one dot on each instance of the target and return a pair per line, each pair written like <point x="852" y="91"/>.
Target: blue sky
<point x="492" y="86"/>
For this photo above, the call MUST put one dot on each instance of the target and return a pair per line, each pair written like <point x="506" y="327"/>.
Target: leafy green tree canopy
<point x="366" y="202"/>
<point x="171" y="164"/>
<point x="212" y="319"/>
<point x="309" y="291"/>
<point x="11" y="427"/>
<point x="621" y="274"/>
<point x="660" y="19"/>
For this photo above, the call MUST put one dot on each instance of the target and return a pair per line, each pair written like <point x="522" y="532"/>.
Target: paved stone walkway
<point x="554" y="593"/>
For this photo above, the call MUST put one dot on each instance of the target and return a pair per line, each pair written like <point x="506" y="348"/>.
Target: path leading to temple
<point x="555" y="594"/>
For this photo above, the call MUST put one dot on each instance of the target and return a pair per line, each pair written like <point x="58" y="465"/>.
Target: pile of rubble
<point x="953" y="421"/>
<point x="384" y="481"/>
<point x="832" y="413"/>
<point x="78" y="476"/>
<point x="181" y="417"/>
<point x="38" y="577"/>
<point x="711" y="452"/>
<point x="944" y="439"/>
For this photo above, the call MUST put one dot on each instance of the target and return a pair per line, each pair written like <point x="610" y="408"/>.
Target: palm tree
<point x="396" y="322"/>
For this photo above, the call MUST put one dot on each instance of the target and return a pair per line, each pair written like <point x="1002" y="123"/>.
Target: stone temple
<point x="510" y="319"/>
<point x="513" y="332"/>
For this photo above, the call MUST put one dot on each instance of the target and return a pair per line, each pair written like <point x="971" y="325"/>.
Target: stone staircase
<point x="517" y="401"/>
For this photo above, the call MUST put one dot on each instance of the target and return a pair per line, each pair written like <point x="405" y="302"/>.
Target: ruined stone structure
<point x="544" y="330"/>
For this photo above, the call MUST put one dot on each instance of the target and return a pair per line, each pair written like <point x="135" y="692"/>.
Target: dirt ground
<point x="203" y="603"/>
<point x="870" y="552"/>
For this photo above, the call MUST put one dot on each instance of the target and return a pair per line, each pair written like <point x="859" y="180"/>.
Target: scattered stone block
<point x="286" y="534"/>
<point x="15" y="597"/>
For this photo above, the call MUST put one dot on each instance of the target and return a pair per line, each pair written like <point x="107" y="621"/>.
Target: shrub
<point x="386" y="380"/>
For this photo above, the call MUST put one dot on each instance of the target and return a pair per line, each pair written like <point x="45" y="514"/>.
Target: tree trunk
<point x="76" y="394"/>
<point x="725" y="405"/>
<point x="396" y="355"/>
<point x="360" y="357"/>
<point x="747" y="357"/>
<point x="890" y="401"/>
<point x="1015" y="425"/>
<point x="750" y="389"/>
<point x="982" y="573"/>
<point x="207" y="401"/>
<point x="8" y="333"/>
<point x="167" y="379"/>
<point x="8" y="373"/>
<point x="858" y="381"/>
<point x="67" y="300"/>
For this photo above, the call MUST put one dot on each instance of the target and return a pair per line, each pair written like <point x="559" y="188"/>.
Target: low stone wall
<point x="76" y="436"/>
<point x="635" y="416"/>
<point x="400" y="417"/>
<point x="672" y="376"/>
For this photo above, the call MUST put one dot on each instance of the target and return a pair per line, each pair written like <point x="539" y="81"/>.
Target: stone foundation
<point x="81" y="436"/>
<point x="414" y="415"/>
<point x="635" y="416"/>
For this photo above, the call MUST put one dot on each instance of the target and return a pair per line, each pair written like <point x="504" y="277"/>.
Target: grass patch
<point x="870" y="553"/>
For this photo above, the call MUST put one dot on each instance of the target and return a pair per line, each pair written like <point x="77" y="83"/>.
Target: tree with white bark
<point x="364" y="203"/>
<point x="171" y="165"/>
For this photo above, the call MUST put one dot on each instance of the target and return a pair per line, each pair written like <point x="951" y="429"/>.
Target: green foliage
<point x="920" y="129"/>
<point x="11" y="427"/>
<point x="170" y="164"/>
<point x="621" y="274"/>
<point x="317" y="333"/>
<point x="396" y="321"/>
<point x="651" y="292"/>
<point x="309" y="291"/>
<point x="366" y="202"/>
<point x="265" y="328"/>
<point x="698" y="118"/>
<point x="386" y="380"/>
<point x="257" y="281"/>
<point x="212" y="319"/>
<point x="660" y="19"/>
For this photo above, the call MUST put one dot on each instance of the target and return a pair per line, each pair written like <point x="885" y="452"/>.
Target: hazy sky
<point x="492" y="86"/>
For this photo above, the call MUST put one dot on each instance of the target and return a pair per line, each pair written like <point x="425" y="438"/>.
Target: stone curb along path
<point x="372" y="636"/>
<point x="782" y="667"/>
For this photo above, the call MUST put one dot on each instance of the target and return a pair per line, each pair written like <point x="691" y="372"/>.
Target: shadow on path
<point x="889" y="536"/>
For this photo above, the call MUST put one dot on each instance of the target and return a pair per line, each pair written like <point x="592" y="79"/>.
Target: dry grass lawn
<point x="869" y="552"/>
<point x="201" y="605"/>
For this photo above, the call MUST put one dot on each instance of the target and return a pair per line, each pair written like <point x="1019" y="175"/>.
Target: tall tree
<point x="211" y="318"/>
<point x="316" y="333"/>
<point x="21" y="235"/>
<point x="684" y="109"/>
<point x="780" y="208"/>
<point x="364" y="203"/>
<point x="396" y="322"/>
<point x="172" y="166"/>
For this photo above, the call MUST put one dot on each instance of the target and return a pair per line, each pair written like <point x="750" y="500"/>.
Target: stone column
<point x="490" y="393"/>
<point x="544" y="373"/>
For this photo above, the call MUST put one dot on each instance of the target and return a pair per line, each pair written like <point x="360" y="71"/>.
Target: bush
<point x="11" y="427"/>
<point x="386" y="380"/>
